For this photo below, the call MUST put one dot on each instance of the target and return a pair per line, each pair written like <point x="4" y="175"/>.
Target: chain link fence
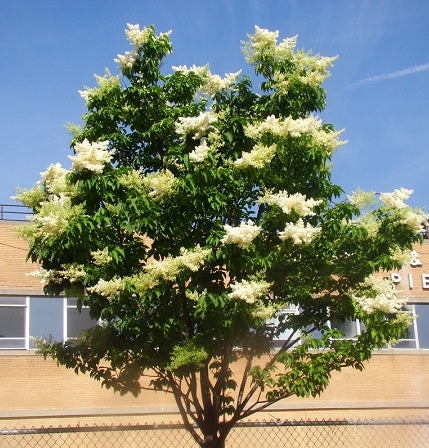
<point x="258" y="434"/>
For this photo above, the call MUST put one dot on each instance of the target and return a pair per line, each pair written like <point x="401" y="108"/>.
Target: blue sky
<point x="378" y="91"/>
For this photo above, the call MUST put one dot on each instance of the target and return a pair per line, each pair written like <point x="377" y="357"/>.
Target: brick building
<point x="395" y="381"/>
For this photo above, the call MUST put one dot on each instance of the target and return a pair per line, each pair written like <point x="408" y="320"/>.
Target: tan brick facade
<point x="395" y="382"/>
<point x="13" y="265"/>
<point x="391" y="384"/>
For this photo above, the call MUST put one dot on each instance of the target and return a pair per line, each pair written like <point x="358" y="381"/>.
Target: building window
<point x="14" y="330"/>
<point x="410" y="339"/>
<point x="279" y="341"/>
<point x="350" y="328"/>
<point x="415" y="337"/>
<point x="46" y="318"/>
<point x="74" y="320"/>
<point x="422" y="325"/>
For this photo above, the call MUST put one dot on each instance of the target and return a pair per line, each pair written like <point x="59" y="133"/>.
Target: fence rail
<point x="344" y="433"/>
<point x="14" y="212"/>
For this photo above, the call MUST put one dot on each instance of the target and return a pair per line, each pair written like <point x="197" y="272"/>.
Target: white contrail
<point x="392" y="75"/>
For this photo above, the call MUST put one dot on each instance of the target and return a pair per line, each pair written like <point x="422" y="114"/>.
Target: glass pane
<point x="409" y="332"/>
<point x="76" y="322"/>
<point x="12" y="301"/>
<point x="405" y="344"/>
<point x="422" y="312"/>
<point x="71" y="302"/>
<point x="12" y="322"/>
<point x="349" y="328"/>
<point x="275" y="322"/>
<point x="12" y="343"/>
<point x="317" y="334"/>
<point x="46" y="318"/>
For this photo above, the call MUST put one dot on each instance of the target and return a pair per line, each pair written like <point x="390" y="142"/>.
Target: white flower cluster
<point x="32" y="197"/>
<point x="54" y="179"/>
<point x="199" y="125"/>
<point x="296" y="128"/>
<point x="401" y="256"/>
<point x="215" y="83"/>
<point x="249" y="291"/>
<point x="51" y="197"/>
<point x="413" y="219"/>
<point x="406" y="215"/>
<point x="307" y="69"/>
<point x="72" y="272"/>
<point x="169" y="267"/>
<point x="212" y="83"/>
<point x="362" y="199"/>
<point x="126" y="60"/>
<point x="286" y="47"/>
<point x="160" y="184"/>
<point x="101" y="257"/>
<point x="106" y="83"/>
<point x="264" y="42"/>
<point x="297" y="202"/>
<point x="45" y="275"/>
<point x="396" y="198"/>
<point x="380" y="295"/>
<point x="241" y="235"/>
<point x="157" y="185"/>
<point x="261" y="43"/>
<point x="200" y="70"/>
<point x="54" y="215"/>
<point x="265" y="312"/>
<point x="370" y="223"/>
<point x="91" y="156"/>
<point x="134" y="180"/>
<point x="300" y="233"/>
<point x="302" y="66"/>
<point x="136" y="36"/>
<point x="200" y="153"/>
<point x="258" y="157"/>
<point x="192" y="295"/>
<point x="107" y="288"/>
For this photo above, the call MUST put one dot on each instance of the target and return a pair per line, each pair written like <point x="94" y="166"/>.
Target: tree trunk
<point x="211" y="441"/>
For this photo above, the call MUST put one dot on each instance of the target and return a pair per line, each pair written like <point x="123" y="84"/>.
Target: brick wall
<point x="30" y="384"/>
<point x="13" y="254"/>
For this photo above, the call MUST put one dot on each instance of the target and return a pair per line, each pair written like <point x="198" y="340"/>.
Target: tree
<point x="196" y="211"/>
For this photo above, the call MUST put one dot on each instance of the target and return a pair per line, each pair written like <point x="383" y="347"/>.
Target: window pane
<point x="12" y="301"/>
<point x="422" y="312"/>
<point x="349" y="328"/>
<point x="12" y="343"/>
<point x="46" y="318"/>
<point x="12" y="322"/>
<point x="274" y="323"/>
<point x="405" y="344"/>
<point x="76" y="322"/>
<point x="71" y="302"/>
<point x="409" y="332"/>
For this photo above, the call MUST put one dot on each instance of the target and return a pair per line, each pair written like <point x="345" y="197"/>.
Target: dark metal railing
<point x="14" y="212"/>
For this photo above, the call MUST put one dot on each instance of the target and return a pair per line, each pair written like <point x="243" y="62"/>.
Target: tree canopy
<point x="198" y="211"/>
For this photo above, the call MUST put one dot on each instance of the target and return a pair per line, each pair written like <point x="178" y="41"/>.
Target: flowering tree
<point x="196" y="211"/>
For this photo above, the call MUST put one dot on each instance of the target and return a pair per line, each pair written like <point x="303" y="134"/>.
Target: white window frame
<point x="26" y="337"/>
<point x="66" y="307"/>
<point x="358" y="329"/>
<point x="292" y="309"/>
<point x="412" y="311"/>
